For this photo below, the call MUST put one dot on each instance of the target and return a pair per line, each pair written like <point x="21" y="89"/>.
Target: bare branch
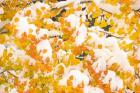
<point x="87" y="1"/>
<point x="4" y="31"/>
<point x="9" y="73"/>
<point x="12" y="74"/>
<point x="3" y="71"/>
<point x="106" y="32"/>
<point x="63" y="4"/>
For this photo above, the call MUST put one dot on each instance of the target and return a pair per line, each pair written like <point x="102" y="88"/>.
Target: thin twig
<point x="9" y="73"/>
<point x="59" y="36"/>
<point x="106" y="32"/>
<point x="87" y="1"/>
<point x="12" y="74"/>
<point x="59" y="14"/>
<point x="3" y="71"/>
<point x="3" y="31"/>
<point x="105" y="10"/>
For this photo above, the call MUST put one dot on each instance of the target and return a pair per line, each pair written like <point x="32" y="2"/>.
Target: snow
<point x="61" y="53"/>
<point x="102" y="53"/>
<point x="82" y="34"/>
<point x="50" y="21"/>
<point x="107" y="7"/>
<point x="120" y="57"/>
<point x="64" y="3"/>
<point x="16" y="53"/>
<point x="74" y="20"/>
<point x="78" y="78"/>
<point x="14" y="90"/>
<point x="33" y="8"/>
<point x="99" y="65"/>
<point x="22" y="24"/>
<point x="138" y="53"/>
<point x="102" y="56"/>
<point x="115" y="82"/>
<point x="2" y="88"/>
<point x="106" y="57"/>
<point x="109" y="53"/>
<point x="39" y="5"/>
<point x="2" y="47"/>
<point x="1" y="11"/>
<point x="54" y="33"/>
<point x="111" y="43"/>
<point x="42" y="32"/>
<point x="94" y="39"/>
<point x="110" y="8"/>
<point x="136" y="5"/>
<point x="44" y="45"/>
<point x="89" y="89"/>
<point x="1" y="1"/>
<point x="97" y="2"/>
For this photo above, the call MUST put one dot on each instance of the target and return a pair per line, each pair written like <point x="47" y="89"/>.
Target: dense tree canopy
<point x="69" y="46"/>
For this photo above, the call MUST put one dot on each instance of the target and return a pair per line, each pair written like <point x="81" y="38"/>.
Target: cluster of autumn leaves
<point x="42" y="76"/>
